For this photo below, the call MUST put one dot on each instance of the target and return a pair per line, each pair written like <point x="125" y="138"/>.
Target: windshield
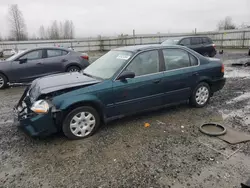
<point x="106" y="66"/>
<point x="172" y="41"/>
<point x="12" y="58"/>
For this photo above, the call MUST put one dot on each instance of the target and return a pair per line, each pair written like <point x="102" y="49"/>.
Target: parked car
<point x="202" y="45"/>
<point x="124" y="81"/>
<point x="28" y="65"/>
<point x="4" y="53"/>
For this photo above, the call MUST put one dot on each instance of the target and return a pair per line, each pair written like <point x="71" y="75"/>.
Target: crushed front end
<point x="35" y="124"/>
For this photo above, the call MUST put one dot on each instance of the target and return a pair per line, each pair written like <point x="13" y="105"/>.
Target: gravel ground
<point x="168" y="153"/>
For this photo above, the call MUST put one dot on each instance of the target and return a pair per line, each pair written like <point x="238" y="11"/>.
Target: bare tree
<point x="42" y="33"/>
<point x="71" y="30"/>
<point x="66" y="29"/>
<point x="54" y="31"/>
<point x="61" y="33"/>
<point x="226" y="24"/>
<point x="17" y="23"/>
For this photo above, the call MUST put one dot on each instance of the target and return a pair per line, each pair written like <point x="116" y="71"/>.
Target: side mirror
<point x="21" y="61"/>
<point x="126" y="74"/>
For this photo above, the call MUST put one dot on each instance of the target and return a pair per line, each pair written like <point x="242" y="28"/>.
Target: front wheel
<point x="81" y="123"/>
<point x="200" y="95"/>
<point x="3" y="81"/>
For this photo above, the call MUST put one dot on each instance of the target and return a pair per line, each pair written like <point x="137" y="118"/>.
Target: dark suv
<point x="202" y="45"/>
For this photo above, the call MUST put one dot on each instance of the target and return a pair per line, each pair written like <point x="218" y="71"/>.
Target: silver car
<point x="28" y="65"/>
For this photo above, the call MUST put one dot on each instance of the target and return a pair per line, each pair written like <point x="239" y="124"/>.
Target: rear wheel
<point x="3" y="81"/>
<point x="200" y="95"/>
<point x="73" y="69"/>
<point x="249" y="52"/>
<point x="81" y="122"/>
<point x="205" y="54"/>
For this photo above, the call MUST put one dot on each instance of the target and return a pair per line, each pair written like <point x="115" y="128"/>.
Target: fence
<point x="222" y="39"/>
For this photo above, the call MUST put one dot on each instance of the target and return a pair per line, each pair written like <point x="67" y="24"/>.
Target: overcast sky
<point x="113" y="17"/>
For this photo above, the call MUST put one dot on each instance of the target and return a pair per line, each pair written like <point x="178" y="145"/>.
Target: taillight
<point x="222" y="68"/>
<point x="214" y="45"/>
<point x="85" y="57"/>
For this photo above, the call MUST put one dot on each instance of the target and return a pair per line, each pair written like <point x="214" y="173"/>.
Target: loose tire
<point x="73" y="69"/>
<point x="81" y="123"/>
<point x="3" y="81"/>
<point x="201" y="95"/>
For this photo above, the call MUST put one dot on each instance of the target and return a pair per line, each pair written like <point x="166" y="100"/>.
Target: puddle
<point x="231" y="72"/>
<point x="242" y="97"/>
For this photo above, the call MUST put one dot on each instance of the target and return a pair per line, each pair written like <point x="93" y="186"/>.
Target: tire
<point x="249" y="52"/>
<point x="3" y="81"/>
<point x="76" y="125"/>
<point x="201" y="95"/>
<point x="73" y="69"/>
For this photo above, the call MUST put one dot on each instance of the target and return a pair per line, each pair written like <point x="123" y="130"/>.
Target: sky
<point x="113" y="17"/>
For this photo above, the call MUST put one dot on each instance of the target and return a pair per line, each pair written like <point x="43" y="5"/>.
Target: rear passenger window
<point x="55" y="53"/>
<point x="205" y="40"/>
<point x="175" y="59"/>
<point x="193" y="60"/>
<point x="196" y="40"/>
<point x="185" y="42"/>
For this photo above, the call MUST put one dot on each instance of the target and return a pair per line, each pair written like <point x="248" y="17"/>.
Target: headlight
<point x="40" y="107"/>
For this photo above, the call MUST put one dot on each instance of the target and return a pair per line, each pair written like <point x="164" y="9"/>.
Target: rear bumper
<point x="217" y="85"/>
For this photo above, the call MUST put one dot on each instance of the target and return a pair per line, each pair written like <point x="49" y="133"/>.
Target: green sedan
<point x="124" y="81"/>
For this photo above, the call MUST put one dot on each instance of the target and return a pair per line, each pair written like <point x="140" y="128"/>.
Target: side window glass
<point x="193" y="60"/>
<point x="64" y="52"/>
<point x="145" y="63"/>
<point x="196" y="40"/>
<point x="205" y="40"/>
<point x="185" y="42"/>
<point x="37" y="54"/>
<point x="175" y="59"/>
<point x="54" y="53"/>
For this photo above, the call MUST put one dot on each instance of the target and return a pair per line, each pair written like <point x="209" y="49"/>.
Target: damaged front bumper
<point x="32" y="123"/>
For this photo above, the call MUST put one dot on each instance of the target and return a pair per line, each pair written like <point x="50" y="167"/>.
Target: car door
<point x="54" y="60"/>
<point x="196" y="45"/>
<point x="28" y="67"/>
<point x="145" y="90"/>
<point x="180" y="75"/>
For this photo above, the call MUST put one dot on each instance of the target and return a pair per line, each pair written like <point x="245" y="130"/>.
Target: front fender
<point x="84" y="99"/>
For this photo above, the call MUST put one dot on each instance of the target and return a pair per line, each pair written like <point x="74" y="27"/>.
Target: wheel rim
<point x="74" y="70"/>
<point x="202" y="95"/>
<point x="1" y="82"/>
<point x="82" y="124"/>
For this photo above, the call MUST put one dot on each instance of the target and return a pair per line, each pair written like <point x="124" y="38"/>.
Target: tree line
<point x="18" y="29"/>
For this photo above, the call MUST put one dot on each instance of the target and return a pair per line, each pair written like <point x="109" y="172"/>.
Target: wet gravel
<point x="168" y="153"/>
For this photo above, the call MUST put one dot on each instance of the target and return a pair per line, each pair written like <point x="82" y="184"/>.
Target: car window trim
<point x="135" y="55"/>
<point x="188" y="56"/>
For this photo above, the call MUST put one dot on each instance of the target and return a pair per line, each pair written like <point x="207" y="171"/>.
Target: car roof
<point x="137" y="48"/>
<point x="48" y="47"/>
<point x="182" y="37"/>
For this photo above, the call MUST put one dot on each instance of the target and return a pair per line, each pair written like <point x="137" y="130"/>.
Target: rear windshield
<point x="171" y="41"/>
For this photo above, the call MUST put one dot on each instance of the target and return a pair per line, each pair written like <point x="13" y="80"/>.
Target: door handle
<point x="196" y="74"/>
<point x="63" y="60"/>
<point x="39" y="63"/>
<point x="157" y="81"/>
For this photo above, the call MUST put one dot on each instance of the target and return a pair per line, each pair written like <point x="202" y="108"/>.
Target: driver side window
<point x="145" y="63"/>
<point x="37" y="54"/>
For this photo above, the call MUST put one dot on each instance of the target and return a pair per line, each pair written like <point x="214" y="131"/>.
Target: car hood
<point x="58" y="82"/>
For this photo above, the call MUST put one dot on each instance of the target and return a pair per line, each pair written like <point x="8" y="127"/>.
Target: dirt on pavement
<point x="171" y="152"/>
